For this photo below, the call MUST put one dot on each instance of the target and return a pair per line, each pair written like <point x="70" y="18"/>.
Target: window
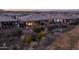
<point x="8" y="24"/>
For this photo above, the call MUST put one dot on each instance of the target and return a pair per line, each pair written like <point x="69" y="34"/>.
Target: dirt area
<point x="66" y="41"/>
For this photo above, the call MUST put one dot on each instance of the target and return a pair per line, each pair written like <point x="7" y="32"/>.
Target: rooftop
<point x="6" y="18"/>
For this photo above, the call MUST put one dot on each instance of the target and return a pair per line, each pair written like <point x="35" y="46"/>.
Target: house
<point x="44" y="19"/>
<point x="33" y="20"/>
<point x="64" y="19"/>
<point x="7" y="21"/>
<point x="77" y="18"/>
<point x="13" y="15"/>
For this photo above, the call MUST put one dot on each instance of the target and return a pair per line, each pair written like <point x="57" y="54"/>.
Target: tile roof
<point x="33" y="17"/>
<point x="37" y="17"/>
<point x="60" y="16"/>
<point x="6" y="18"/>
<point x="12" y="14"/>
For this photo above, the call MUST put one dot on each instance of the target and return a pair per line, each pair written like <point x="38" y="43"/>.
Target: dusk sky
<point x="40" y="9"/>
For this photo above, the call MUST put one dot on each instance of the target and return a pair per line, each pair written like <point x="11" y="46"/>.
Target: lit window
<point x="29" y="23"/>
<point x="58" y="20"/>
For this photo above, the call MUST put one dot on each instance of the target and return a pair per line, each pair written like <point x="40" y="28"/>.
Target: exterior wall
<point x="34" y="23"/>
<point x="9" y="24"/>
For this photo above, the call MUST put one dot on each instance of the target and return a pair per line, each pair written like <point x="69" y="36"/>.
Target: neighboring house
<point x="7" y="21"/>
<point x="62" y="18"/>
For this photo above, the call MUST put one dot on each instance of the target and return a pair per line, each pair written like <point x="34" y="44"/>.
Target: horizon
<point x="39" y="9"/>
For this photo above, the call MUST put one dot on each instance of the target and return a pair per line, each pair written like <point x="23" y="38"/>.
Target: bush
<point x="27" y="39"/>
<point x="34" y="44"/>
<point x="18" y="30"/>
<point x="38" y="29"/>
<point x="41" y="34"/>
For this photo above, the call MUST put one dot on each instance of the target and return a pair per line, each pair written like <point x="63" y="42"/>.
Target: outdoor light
<point x="29" y="23"/>
<point x="58" y="20"/>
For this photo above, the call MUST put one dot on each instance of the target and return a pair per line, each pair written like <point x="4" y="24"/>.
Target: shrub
<point x="41" y="34"/>
<point x="18" y="30"/>
<point x="34" y="44"/>
<point x="39" y="29"/>
<point x="27" y="39"/>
